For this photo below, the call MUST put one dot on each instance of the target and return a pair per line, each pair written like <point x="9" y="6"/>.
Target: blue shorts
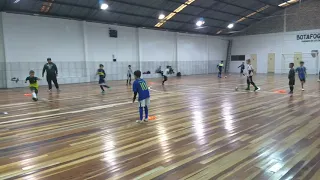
<point x="302" y="78"/>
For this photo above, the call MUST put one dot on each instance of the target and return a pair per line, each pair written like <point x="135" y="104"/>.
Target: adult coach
<point x="52" y="73"/>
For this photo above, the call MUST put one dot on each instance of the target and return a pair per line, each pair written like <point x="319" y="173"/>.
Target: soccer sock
<point x="254" y="85"/>
<point x="34" y="95"/>
<point x="106" y="86"/>
<point x="291" y="88"/>
<point x="102" y="88"/>
<point x="141" y="113"/>
<point x="146" y="111"/>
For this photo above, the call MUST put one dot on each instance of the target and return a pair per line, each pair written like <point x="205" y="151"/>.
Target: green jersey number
<point x="143" y="86"/>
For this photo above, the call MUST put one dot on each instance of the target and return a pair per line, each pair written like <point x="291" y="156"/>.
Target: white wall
<point x="78" y="47"/>
<point x="3" y="83"/>
<point x="101" y="49"/>
<point x="278" y="43"/>
<point x="199" y="54"/>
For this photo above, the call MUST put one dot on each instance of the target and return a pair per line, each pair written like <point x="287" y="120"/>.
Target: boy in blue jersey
<point x="102" y="76"/>
<point x="302" y="73"/>
<point x="140" y="87"/>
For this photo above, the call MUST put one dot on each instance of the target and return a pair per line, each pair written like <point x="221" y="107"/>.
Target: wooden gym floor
<point x="204" y="129"/>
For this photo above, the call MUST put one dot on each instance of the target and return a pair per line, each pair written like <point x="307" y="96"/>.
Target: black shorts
<point x="303" y="79"/>
<point x="34" y="89"/>
<point x="129" y="75"/>
<point x="292" y="82"/>
<point x="102" y="81"/>
<point x="165" y="78"/>
<point x="241" y="71"/>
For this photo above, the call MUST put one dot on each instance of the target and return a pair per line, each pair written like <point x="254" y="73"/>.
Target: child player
<point x="102" y="76"/>
<point x="165" y="75"/>
<point x="302" y="72"/>
<point x="220" y="67"/>
<point x="140" y="87"/>
<point x="241" y="68"/>
<point x="292" y="78"/>
<point x="33" y="85"/>
<point x="249" y="76"/>
<point x="129" y="72"/>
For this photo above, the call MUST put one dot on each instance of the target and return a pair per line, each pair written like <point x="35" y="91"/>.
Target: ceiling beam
<point x="215" y="10"/>
<point x="169" y="11"/>
<point x="55" y="15"/>
<point x="118" y="12"/>
<point x="270" y="4"/>
<point x="242" y="7"/>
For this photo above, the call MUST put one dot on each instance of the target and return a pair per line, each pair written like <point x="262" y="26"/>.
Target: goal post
<point x="311" y="61"/>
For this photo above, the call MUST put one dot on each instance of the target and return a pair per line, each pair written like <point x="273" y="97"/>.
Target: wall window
<point x="238" y="57"/>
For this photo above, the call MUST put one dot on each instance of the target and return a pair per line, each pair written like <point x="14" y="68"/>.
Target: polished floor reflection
<point x="203" y="129"/>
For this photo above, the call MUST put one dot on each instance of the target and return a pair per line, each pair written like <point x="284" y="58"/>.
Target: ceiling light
<point x="230" y="26"/>
<point x="161" y="16"/>
<point x="16" y="1"/>
<point x="104" y="6"/>
<point x="200" y="22"/>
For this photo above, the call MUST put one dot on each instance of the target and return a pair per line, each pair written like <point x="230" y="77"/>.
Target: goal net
<point x="311" y="61"/>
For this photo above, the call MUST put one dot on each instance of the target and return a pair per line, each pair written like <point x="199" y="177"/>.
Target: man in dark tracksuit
<point x="52" y="73"/>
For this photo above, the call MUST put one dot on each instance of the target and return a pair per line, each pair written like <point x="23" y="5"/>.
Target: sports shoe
<point x="248" y="89"/>
<point x="49" y="90"/>
<point x="302" y="89"/>
<point x="146" y="120"/>
<point x="102" y="92"/>
<point x="257" y="89"/>
<point x="35" y="99"/>
<point x="139" y="121"/>
<point x="58" y="90"/>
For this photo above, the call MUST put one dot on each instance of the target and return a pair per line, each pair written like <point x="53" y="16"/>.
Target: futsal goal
<point x="311" y="61"/>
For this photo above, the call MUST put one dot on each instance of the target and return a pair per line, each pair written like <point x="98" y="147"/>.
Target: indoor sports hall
<point x="159" y="89"/>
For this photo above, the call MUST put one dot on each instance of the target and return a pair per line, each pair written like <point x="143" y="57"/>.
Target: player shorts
<point x="292" y="82"/>
<point x="302" y="79"/>
<point x="102" y="81"/>
<point x="165" y="78"/>
<point x="144" y="103"/>
<point x="129" y="75"/>
<point x="34" y="89"/>
<point x="241" y="71"/>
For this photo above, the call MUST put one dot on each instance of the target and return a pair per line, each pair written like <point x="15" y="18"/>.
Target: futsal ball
<point x="225" y="76"/>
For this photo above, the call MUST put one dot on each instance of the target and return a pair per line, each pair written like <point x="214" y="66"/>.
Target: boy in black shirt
<point x="291" y="77"/>
<point x="102" y="75"/>
<point x="33" y="85"/>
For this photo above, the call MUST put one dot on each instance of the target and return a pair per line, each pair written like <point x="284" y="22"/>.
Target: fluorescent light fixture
<point x="176" y="11"/>
<point x="161" y="16"/>
<point x="200" y="22"/>
<point x="288" y="3"/>
<point x="231" y="25"/>
<point x="16" y="1"/>
<point x="104" y="6"/>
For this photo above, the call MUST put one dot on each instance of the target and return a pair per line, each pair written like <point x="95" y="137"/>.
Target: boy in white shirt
<point x="250" y="71"/>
